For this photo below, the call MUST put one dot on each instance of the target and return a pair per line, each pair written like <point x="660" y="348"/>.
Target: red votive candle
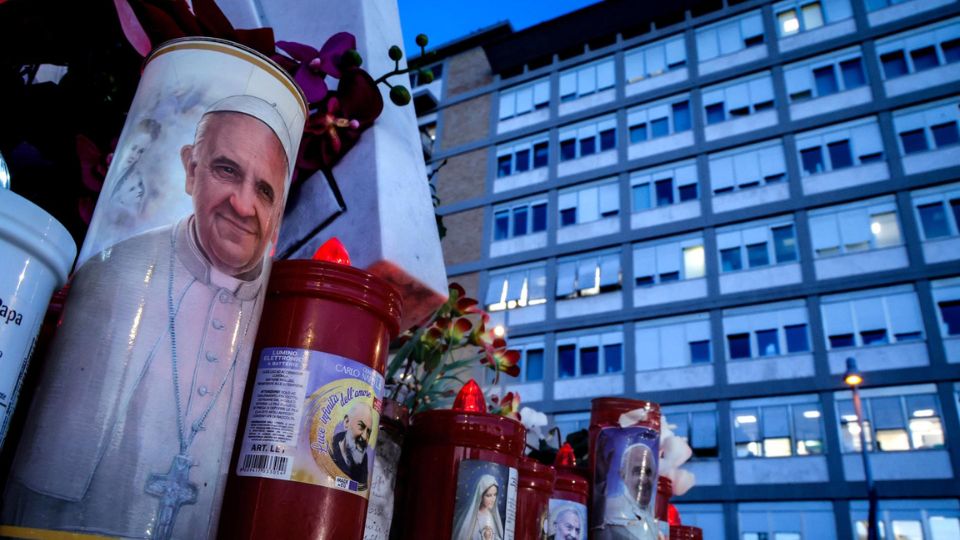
<point x="685" y="532"/>
<point x="664" y="492"/>
<point x="533" y="498"/>
<point x="303" y="463"/>
<point x="459" y="476"/>
<point x="568" y="505"/>
<point x="624" y="454"/>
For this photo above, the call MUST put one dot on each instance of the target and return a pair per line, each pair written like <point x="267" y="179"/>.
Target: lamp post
<point x="853" y="379"/>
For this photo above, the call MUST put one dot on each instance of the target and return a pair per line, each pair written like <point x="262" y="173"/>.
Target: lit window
<point x="789" y="23"/>
<point x="784" y="244"/>
<point x="694" y="262"/>
<point x="885" y="230"/>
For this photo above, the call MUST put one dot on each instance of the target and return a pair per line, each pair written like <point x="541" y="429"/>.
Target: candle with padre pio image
<point x="132" y="423"/>
<point x="460" y="475"/>
<point x="624" y="454"/>
<point x="303" y="466"/>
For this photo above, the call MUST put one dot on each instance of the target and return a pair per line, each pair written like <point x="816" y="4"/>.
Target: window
<point x="825" y="75"/>
<point x="837" y="147"/>
<point x="853" y="228"/>
<point x="766" y="330"/>
<point x="519" y="219"/>
<point x="872" y="318"/>
<point x="777" y="430"/>
<point x="655" y="59"/>
<point x="950" y="314"/>
<point x="755" y="166"/>
<point x="658" y="120"/>
<point x="938" y="211"/>
<point x="933" y="219"/>
<point x="729" y="36"/>
<point x="533" y="364"/>
<point x="588" y="275"/>
<point x="919" y="50"/>
<point x="514" y="158"/>
<point x="525" y="99"/>
<point x="892" y="423"/>
<point x="946" y="296"/>
<point x="743" y="97"/>
<point x="664" y="186"/>
<point x="763" y="245"/>
<point x="585" y="138"/>
<point x="673" y="343"/>
<point x="698" y="428"/>
<point x="927" y="127"/>
<point x="516" y="288"/>
<point x="582" y="81"/>
<point x="662" y="262"/>
<point x="796" y="17"/>
<point x="600" y="352"/>
<point x="585" y="204"/>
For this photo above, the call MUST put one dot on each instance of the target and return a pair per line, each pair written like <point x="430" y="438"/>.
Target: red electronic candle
<point x="533" y="498"/>
<point x="303" y="464"/>
<point x="684" y="532"/>
<point x="568" y="504"/>
<point x="459" y="473"/>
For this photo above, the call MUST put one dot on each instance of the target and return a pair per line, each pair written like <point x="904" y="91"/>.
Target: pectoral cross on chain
<point x="174" y="490"/>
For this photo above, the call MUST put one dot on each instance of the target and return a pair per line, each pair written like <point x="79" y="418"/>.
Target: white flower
<point x="533" y="420"/>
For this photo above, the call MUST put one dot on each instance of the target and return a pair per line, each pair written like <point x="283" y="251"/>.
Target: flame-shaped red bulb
<point x="332" y="251"/>
<point x="470" y="398"/>
<point x="565" y="457"/>
<point x="673" y="516"/>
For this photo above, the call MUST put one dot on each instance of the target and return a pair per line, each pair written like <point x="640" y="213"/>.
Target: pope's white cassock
<point x="109" y="401"/>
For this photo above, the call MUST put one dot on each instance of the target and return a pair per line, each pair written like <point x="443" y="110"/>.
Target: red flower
<point x="313" y="66"/>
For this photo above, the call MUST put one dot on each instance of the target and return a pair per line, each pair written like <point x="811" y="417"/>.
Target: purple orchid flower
<point x="316" y="65"/>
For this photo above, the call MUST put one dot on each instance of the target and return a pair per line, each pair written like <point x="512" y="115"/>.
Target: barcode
<point x="274" y="465"/>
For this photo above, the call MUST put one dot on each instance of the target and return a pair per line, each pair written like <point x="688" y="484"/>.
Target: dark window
<point x="664" y="192"/>
<point x="659" y="127"/>
<point x="874" y="337"/>
<point x="688" y="192"/>
<point x="784" y="244"/>
<point x="540" y="153"/>
<point x="753" y="41"/>
<point x="768" y="343"/>
<point x="740" y="111"/>
<point x="762" y="106"/>
<point x="801" y="95"/>
<point x="703" y="434"/>
<point x="945" y="134"/>
<point x="534" y="363"/>
<point x="955" y="206"/>
<point x="841" y="340"/>
<point x="638" y="133"/>
<point x="894" y="64"/>
<point x="681" y="116"/>
<point x="539" y="217"/>
<point x="812" y="160"/>
<point x="501" y="225"/>
<point x="826" y="81"/>
<point x="588" y="146"/>
<point x="523" y="160"/>
<point x="757" y="255"/>
<point x="797" y="338"/>
<point x="520" y="221"/>
<point x="951" y="50"/>
<point x="852" y="72"/>
<point x="503" y="165"/>
<point x="567" y="360"/>
<point x="908" y="336"/>
<point x="950" y="311"/>
<point x="870" y="158"/>
<point x="644" y="280"/>
<point x="840" y="155"/>
<point x="568" y="216"/>
<point x="933" y="218"/>
<point x="700" y="352"/>
<point x="730" y="260"/>
<point x="641" y="197"/>
<point x="568" y="149"/>
<point x="608" y="139"/>
<point x="739" y="345"/>
<point x="667" y="277"/>
<point x="613" y="358"/>
<point x="715" y="113"/>
<point x="913" y="141"/>
<point x="924" y="58"/>
<point x="589" y="361"/>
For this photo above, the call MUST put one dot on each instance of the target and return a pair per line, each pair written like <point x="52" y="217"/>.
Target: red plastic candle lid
<point x="570" y="481"/>
<point x="536" y="475"/>
<point x="565" y="457"/>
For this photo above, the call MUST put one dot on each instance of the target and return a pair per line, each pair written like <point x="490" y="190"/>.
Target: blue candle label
<point x="567" y="520"/>
<point x="625" y="481"/>
<point x="486" y="501"/>
<point x="313" y="418"/>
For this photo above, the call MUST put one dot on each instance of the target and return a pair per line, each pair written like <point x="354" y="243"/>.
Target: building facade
<point x="712" y="206"/>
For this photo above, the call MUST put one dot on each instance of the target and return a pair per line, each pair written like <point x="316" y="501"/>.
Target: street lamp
<point x="853" y="379"/>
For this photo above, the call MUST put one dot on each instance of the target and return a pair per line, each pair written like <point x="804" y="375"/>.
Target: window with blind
<point x="928" y="127"/>
<point x="584" y="80"/>
<point x="588" y="275"/>
<point x="655" y="59"/>
<point x="659" y="119"/>
<point x="730" y="36"/>
<point x="519" y="219"/>
<point x="746" y="168"/>
<point x="892" y="423"/>
<point x="594" y="352"/>
<point x="871" y="318"/>
<point x="516" y="288"/>
<point x="838" y="147"/>
<point x="586" y="138"/>
<point x="664" y="186"/>
<point x="522" y="156"/>
<point x="764" y="331"/>
<point x="525" y="99"/>
<point x="778" y="430"/>
<point x="756" y="247"/>
<point x="854" y="228"/>
<point x="919" y="50"/>
<point x="743" y="97"/>
<point x="825" y="75"/>
<point x="659" y="262"/>
<point x="585" y="204"/>
<point x="673" y="343"/>
<point x="698" y="428"/>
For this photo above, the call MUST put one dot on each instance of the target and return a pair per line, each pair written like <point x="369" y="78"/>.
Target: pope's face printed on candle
<point x="637" y="472"/>
<point x="235" y="172"/>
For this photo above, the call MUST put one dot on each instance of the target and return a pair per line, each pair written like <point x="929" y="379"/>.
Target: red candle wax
<point x="338" y="320"/>
<point x="454" y="464"/>
<point x="533" y="498"/>
<point x="684" y="532"/>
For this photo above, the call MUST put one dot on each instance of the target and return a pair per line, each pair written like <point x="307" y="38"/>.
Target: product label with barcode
<point x="313" y="418"/>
